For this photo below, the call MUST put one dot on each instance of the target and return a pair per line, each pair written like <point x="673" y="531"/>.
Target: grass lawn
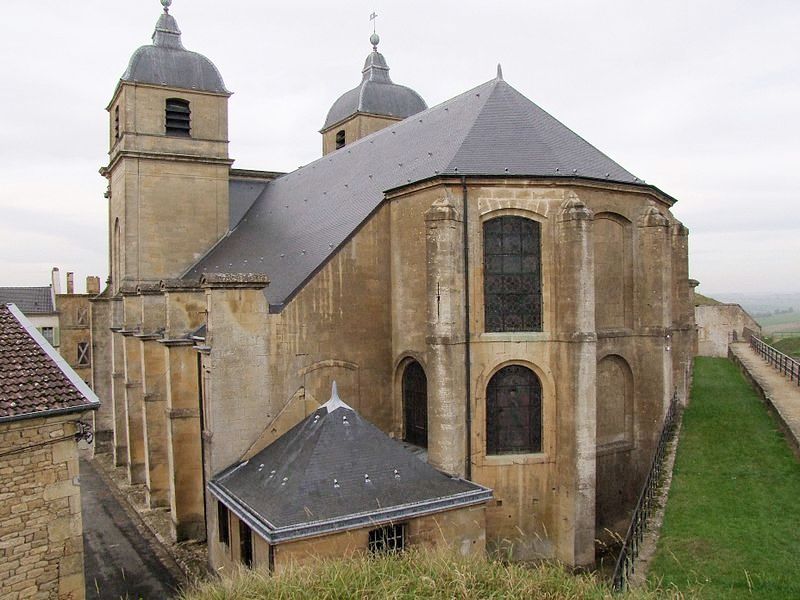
<point x="732" y="522"/>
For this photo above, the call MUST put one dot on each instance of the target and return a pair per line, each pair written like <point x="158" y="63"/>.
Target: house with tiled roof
<point x="38" y="304"/>
<point x="45" y="410"/>
<point x="483" y="284"/>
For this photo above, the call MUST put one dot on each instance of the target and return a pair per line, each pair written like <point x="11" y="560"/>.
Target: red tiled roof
<point x="33" y="378"/>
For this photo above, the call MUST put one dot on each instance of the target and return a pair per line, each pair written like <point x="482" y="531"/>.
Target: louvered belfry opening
<point x="340" y="140"/>
<point x="514" y="412"/>
<point x="178" y="117"/>
<point x="415" y="404"/>
<point x="512" y="279"/>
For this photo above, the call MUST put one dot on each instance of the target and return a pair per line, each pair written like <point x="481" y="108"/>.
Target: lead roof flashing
<point x="373" y="518"/>
<point x="255" y="281"/>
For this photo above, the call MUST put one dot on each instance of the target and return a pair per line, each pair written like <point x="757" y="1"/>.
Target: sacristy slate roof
<point x="34" y="379"/>
<point x="30" y="300"/>
<point x="301" y="218"/>
<point x="336" y="471"/>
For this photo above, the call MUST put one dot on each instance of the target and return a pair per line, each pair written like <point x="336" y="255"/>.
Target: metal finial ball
<point x="374" y="39"/>
<point x="166" y="4"/>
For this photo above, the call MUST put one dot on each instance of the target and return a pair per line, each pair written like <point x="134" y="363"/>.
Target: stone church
<point x="492" y="296"/>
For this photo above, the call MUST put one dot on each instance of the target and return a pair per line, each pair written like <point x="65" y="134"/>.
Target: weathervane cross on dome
<point x="374" y="38"/>
<point x="166" y="4"/>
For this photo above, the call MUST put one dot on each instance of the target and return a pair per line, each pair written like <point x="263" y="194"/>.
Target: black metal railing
<point x="788" y="366"/>
<point x="626" y="560"/>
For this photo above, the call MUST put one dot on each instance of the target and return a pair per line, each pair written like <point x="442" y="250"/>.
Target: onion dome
<point x="167" y="62"/>
<point x="376" y="94"/>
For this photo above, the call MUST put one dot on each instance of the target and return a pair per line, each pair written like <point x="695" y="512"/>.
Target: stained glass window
<point x="415" y="404"/>
<point x="512" y="279"/>
<point x="514" y="412"/>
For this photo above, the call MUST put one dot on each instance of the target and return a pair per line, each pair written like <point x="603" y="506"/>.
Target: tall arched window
<point x="340" y="141"/>
<point x="415" y="404"/>
<point x="514" y="412"/>
<point x="512" y="278"/>
<point x="178" y="117"/>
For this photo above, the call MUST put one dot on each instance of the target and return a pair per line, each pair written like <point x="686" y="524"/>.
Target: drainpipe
<point x="467" y="353"/>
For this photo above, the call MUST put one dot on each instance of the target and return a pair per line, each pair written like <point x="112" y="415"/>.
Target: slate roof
<point x="301" y="218"/>
<point x="377" y="94"/>
<point x="167" y="62"/>
<point x="336" y="471"/>
<point x="30" y="300"/>
<point x="34" y="379"/>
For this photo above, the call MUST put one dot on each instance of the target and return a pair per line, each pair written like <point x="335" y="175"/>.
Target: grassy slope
<point x="412" y="575"/>
<point x="701" y="300"/>
<point x="789" y="345"/>
<point x="732" y="521"/>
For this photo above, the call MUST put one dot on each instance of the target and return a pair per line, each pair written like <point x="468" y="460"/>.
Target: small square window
<point x="49" y="335"/>
<point x="391" y="538"/>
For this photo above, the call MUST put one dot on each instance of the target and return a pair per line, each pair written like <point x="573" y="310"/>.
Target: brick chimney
<point x="92" y="285"/>
<point x="55" y="280"/>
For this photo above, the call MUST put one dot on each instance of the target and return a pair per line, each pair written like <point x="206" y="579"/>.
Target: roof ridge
<point x="384" y="131"/>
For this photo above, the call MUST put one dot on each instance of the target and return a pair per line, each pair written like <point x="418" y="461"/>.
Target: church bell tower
<point x="168" y="160"/>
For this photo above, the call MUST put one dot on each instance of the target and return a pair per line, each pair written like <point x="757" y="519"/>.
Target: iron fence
<point x="625" y="565"/>
<point x="788" y="366"/>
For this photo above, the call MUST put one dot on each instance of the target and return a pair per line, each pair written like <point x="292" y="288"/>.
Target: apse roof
<point x="336" y="471"/>
<point x="301" y="218"/>
<point x="167" y="62"/>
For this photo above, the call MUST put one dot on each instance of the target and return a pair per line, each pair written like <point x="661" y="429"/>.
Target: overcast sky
<point x="700" y="98"/>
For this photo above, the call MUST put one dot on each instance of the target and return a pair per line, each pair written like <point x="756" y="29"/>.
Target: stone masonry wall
<point x="716" y="326"/>
<point x="41" y="548"/>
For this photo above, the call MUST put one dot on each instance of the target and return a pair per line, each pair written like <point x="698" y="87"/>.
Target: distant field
<point x="780" y="319"/>
<point x="782" y="322"/>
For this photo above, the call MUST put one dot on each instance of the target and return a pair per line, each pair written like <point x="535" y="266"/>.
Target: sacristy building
<point x="485" y="287"/>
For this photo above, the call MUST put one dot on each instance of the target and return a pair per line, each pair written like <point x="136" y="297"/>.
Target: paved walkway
<point x="780" y="394"/>
<point x="121" y="559"/>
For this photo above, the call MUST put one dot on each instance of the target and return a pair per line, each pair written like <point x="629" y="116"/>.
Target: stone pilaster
<point x="100" y="327"/>
<point x="117" y="358"/>
<point x="153" y="393"/>
<point x="185" y="312"/>
<point x="134" y="398"/>
<point x="682" y="310"/>
<point x="655" y="307"/>
<point x="577" y="407"/>
<point x="236" y="385"/>
<point x="446" y="338"/>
